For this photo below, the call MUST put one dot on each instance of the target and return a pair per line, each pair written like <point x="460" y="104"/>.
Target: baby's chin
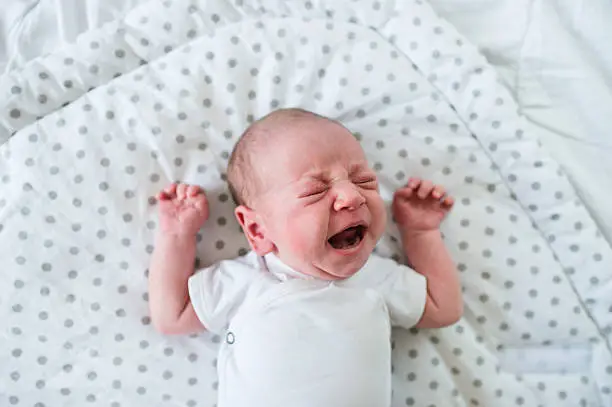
<point x="339" y="267"/>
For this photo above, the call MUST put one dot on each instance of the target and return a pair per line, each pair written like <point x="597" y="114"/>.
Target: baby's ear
<point x="254" y="230"/>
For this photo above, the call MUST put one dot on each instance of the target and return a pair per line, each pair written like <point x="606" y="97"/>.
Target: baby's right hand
<point x="183" y="209"/>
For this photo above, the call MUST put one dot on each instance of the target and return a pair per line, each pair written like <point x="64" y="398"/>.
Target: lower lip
<point x="352" y="250"/>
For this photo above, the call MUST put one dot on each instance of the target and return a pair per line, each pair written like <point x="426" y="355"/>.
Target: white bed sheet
<point x="554" y="56"/>
<point x="30" y="28"/>
<point x="500" y="51"/>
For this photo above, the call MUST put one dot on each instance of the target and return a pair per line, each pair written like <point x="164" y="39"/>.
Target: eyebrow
<point x="357" y="168"/>
<point x="324" y="175"/>
<point x="318" y="175"/>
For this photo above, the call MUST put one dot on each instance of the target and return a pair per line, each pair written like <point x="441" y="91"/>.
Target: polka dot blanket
<point x="91" y="132"/>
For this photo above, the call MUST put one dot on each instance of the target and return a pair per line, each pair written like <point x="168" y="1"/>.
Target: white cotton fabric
<point x="554" y="56"/>
<point x="92" y="132"/>
<point x="31" y="28"/>
<point x="297" y="341"/>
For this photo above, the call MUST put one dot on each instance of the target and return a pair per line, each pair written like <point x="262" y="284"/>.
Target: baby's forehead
<point x="277" y="169"/>
<point x="298" y="157"/>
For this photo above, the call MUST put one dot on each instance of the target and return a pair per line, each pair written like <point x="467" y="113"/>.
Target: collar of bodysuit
<point x="280" y="270"/>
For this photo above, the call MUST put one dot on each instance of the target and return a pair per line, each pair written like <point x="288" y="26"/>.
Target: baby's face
<point x="319" y="205"/>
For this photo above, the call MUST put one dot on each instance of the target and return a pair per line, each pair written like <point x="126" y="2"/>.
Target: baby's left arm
<point x="418" y="209"/>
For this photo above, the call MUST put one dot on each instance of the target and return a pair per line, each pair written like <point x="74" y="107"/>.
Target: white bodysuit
<point x="295" y="341"/>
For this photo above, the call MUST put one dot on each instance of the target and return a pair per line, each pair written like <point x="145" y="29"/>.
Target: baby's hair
<point x="241" y="174"/>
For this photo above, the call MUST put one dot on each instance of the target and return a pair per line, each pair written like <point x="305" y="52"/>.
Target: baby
<point x="307" y="314"/>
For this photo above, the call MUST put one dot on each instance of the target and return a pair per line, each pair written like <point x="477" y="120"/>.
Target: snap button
<point x="229" y="338"/>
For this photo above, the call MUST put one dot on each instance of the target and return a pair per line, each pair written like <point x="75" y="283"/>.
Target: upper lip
<point x="349" y="225"/>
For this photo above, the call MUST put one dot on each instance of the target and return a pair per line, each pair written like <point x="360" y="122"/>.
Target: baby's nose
<point x="348" y="196"/>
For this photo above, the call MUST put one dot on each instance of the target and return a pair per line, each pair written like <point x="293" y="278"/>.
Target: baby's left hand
<point x="420" y="206"/>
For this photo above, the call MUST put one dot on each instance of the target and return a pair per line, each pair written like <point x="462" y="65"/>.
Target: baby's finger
<point x="162" y="196"/>
<point x="170" y="190"/>
<point x="425" y="189"/>
<point x="200" y="202"/>
<point x="448" y="202"/>
<point x="404" y="193"/>
<point x="193" y="190"/>
<point x="413" y="183"/>
<point x="181" y="189"/>
<point x="438" y="192"/>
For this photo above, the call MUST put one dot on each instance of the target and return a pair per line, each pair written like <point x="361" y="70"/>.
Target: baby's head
<point x="305" y="192"/>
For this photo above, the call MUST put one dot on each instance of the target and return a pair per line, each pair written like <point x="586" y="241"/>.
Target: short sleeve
<point x="218" y="291"/>
<point x="403" y="289"/>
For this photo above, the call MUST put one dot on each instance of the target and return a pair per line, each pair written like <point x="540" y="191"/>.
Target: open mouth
<point x="348" y="238"/>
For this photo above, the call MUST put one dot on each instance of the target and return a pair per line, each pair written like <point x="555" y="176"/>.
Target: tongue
<point x="345" y="238"/>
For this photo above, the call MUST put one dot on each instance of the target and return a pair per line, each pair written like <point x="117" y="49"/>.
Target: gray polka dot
<point x="15" y="113"/>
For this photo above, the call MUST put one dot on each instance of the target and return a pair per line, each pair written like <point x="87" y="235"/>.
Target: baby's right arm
<point x="183" y="209"/>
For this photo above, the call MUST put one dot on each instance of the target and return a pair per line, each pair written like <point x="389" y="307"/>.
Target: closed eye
<point x="310" y="193"/>
<point x="366" y="182"/>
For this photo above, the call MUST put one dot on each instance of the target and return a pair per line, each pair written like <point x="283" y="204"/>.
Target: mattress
<point x="92" y="131"/>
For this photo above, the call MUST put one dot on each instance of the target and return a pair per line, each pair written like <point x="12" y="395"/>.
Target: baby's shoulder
<point x="375" y="271"/>
<point x="248" y="261"/>
<point x="241" y="270"/>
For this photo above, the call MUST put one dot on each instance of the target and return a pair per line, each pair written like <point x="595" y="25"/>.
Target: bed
<point x="92" y="130"/>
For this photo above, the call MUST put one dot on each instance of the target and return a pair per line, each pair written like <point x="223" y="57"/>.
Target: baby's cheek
<point x="379" y="216"/>
<point x="305" y="235"/>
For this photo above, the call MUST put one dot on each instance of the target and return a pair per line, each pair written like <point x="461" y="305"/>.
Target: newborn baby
<point x="306" y="316"/>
